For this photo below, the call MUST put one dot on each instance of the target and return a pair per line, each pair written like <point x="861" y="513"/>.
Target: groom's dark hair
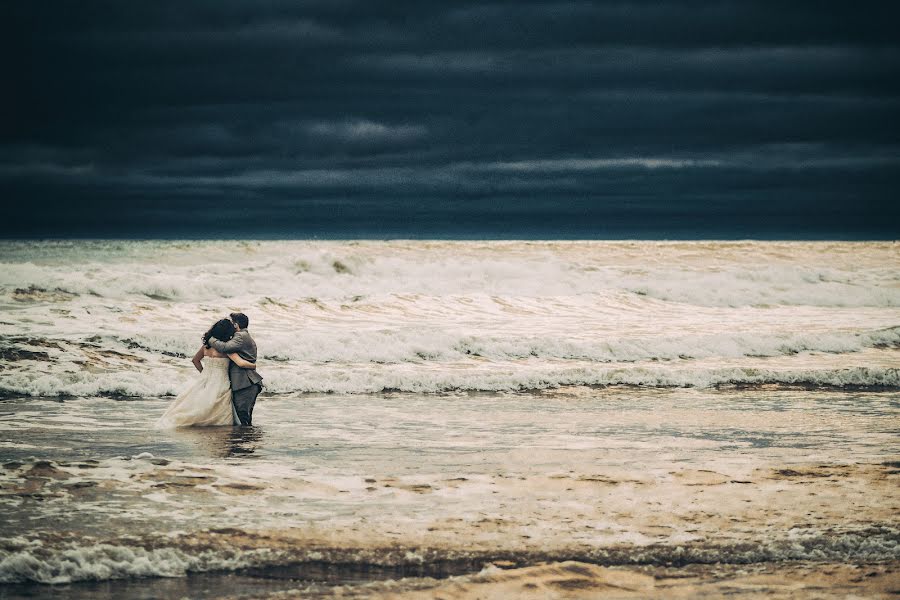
<point x="241" y="319"/>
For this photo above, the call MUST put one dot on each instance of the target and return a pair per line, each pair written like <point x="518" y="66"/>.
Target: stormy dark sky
<point x="349" y="119"/>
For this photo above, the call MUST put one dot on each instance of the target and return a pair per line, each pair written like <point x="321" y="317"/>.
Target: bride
<point x="207" y="401"/>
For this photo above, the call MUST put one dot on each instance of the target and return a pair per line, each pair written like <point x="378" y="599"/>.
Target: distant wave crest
<point x="726" y="275"/>
<point x="502" y="378"/>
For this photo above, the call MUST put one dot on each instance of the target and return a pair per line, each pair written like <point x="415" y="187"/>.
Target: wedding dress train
<point x="207" y="401"/>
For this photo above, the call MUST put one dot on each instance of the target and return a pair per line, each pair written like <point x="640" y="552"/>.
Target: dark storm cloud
<point x="411" y="118"/>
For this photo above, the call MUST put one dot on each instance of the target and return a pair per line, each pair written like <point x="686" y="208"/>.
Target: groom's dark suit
<point x="245" y="383"/>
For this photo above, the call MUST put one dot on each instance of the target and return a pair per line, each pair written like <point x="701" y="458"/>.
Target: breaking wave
<point x="121" y="318"/>
<point x="497" y="378"/>
<point x="33" y="562"/>
<point x="702" y="274"/>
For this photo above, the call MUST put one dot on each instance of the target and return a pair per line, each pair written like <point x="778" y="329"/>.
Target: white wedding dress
<point x="207" y="401"/>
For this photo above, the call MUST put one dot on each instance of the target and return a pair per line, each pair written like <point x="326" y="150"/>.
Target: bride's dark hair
<point x="221" y="330"/>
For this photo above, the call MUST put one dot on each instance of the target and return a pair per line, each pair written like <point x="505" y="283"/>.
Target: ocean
<point x="452" y="417"/>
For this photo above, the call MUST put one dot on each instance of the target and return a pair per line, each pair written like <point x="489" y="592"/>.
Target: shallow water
<point x="335" y="431"/>
<point x="389" y="483"/>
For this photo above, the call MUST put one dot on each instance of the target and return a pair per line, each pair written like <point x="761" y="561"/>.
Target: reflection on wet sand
<point x="222" y="442"/>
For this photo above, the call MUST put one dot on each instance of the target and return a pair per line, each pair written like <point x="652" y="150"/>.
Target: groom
<point x="245" y="383"/>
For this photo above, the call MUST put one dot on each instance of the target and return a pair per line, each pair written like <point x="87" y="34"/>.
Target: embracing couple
<point x="226" y="390"/>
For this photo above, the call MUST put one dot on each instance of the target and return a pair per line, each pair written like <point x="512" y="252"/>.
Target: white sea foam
<point x="498" y="376"/>
<point x="106" y="561"/>
<point x="87" y="318"/>
<point x="704" y="274"/>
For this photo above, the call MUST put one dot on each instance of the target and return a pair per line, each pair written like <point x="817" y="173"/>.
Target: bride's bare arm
<point x="244" y="364"/>
<point x="197" y="358"/>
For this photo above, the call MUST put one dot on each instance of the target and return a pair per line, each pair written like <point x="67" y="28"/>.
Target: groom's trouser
<point x="244" y="399"/>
